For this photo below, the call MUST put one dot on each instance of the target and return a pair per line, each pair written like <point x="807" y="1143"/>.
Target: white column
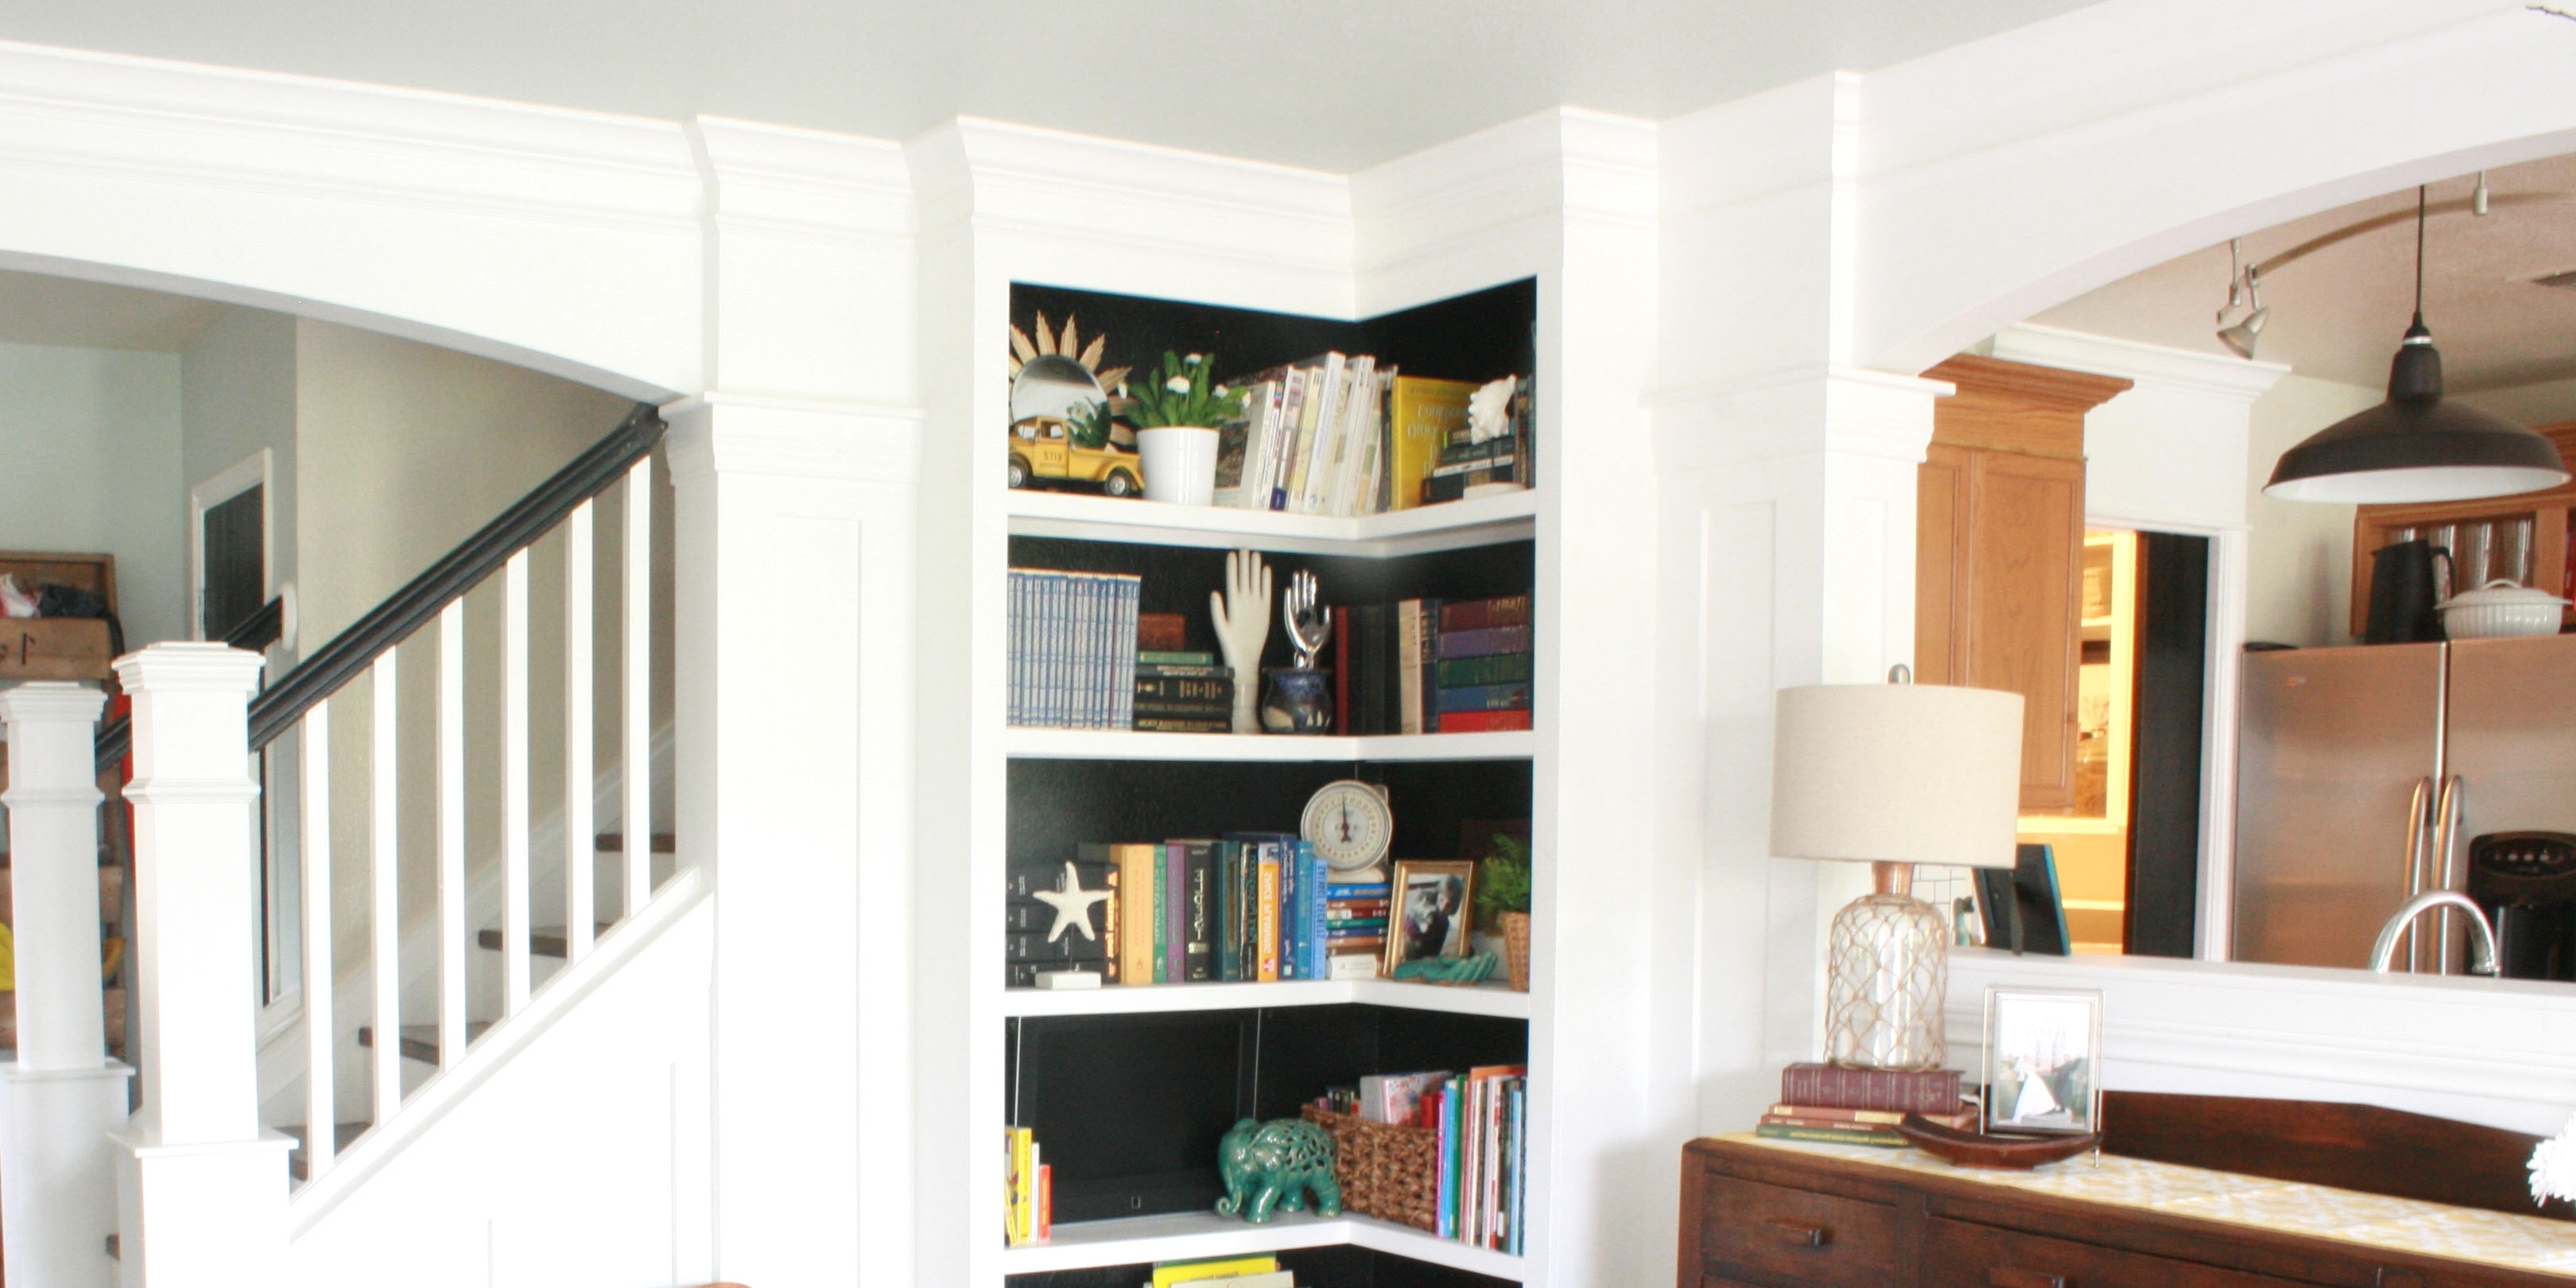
<point x="201" y="1189"/>
<point x="62" y="1095"/>
<point x="794" y="736"/>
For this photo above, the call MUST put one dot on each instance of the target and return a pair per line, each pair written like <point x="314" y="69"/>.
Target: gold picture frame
<point x="1429" y="905"/>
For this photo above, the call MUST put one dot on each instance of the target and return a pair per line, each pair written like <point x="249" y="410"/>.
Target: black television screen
<point x="1127" y="1110"/>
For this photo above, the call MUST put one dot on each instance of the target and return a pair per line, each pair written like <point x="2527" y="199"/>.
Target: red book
<point x="1479" y="614"/>
<point x="1046" y="1201"/>
<point x="1921" y="1091"/>
<point x="1483" y="721"/>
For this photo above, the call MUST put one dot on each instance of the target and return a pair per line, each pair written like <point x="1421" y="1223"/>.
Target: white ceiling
<point x="1333" y="84"/>
<point x="2338" y="313"/>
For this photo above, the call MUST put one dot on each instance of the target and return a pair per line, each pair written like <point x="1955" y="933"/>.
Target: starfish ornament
<point x="1072" y="904"/>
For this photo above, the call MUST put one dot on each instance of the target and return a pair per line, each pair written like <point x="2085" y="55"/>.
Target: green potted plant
<point x="1502" y="903"/>
<point x="1177" y="410"/>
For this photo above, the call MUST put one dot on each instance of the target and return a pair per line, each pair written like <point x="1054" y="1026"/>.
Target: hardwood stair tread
<point x="663" y="842"/>
<point x="543" y="941"/>
<point x="420" y="1041"/>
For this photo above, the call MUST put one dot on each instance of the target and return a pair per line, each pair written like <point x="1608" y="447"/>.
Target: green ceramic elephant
<point x="1275" y="1164"/>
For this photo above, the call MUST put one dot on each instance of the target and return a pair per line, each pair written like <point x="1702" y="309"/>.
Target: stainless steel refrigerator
<point x="2365" y="772"/>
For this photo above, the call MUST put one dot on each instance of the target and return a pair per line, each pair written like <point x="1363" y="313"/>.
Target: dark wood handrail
<point x="325" y="670"/>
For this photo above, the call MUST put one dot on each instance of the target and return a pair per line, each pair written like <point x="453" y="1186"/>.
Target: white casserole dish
<point x="2501" y="607"/>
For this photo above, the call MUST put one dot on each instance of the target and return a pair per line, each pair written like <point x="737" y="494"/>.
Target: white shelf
<point x="1483" y="999"/>
<point x="1184" y="1235"/>
<point x="1482" y="521"/>
<point x="1114" y="744"/>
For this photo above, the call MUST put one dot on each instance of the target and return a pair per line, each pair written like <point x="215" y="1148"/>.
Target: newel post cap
<point x="190" y="668"/>
<point x="51" y="701"/>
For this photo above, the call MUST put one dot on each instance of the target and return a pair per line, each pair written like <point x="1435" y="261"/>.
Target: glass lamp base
<point x="1887" y="967"/>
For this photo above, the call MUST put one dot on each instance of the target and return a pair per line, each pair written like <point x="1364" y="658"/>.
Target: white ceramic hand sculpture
<point x="1242" y="613"/>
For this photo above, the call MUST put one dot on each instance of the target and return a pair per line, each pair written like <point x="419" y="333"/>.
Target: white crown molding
<point x="111" y="115"/>
<point x="2206" y="373"/>
<point x="803" y="182"/>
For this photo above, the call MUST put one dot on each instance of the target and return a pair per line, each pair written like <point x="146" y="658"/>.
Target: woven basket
<point x="1516" y="949"/>
<point x="1385" y="1171"/>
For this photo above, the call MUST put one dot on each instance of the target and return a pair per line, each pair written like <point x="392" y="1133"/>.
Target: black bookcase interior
<point x="1129" y="1108"/>
<point x="1484" y="335"/>
<point x="1177" y="579"/>
<point x="1333" y="1267"/>
<point x="1058" y="804"/>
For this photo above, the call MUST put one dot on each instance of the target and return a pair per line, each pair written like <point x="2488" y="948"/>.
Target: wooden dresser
<point x="1760" y="1212"/>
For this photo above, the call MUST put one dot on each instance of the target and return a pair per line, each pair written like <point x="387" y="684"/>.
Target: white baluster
<point x="385" y="909"/>
<point x="453" y="947"/>
<point x="514" y="784"/>
<point x="321" y="1106"/>
<point x="580" y="836"/>
<point x="62" y="1094"/>
<point x="636" y="726"/>
<point x="201" y="1188"/>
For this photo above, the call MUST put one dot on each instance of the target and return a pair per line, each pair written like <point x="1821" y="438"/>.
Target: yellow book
<point x="1181" y="1272"/>
<point x="1420" y="414"/>
<point x="1013" y="1160"/>
<point x="1138" y="868"/>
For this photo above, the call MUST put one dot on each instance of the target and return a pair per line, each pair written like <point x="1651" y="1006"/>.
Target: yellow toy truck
<point x="1042" y="449"/>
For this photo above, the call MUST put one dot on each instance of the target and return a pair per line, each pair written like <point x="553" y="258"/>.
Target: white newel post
<point x="62" y="1095"/>
<point x="201" y="1188"/>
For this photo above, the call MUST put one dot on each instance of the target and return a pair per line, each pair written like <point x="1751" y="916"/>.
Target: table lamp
<point x="1893" y="775"/>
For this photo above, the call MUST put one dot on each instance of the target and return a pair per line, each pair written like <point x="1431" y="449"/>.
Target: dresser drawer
<point x="1798" y="1235"/>
<point x="1959" y="1254"/>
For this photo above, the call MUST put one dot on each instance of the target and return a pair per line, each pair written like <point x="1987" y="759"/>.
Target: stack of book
<point x="1183" y="692"/>
<point x="1346" y="436"/>
<point x="1028" y="1198"/>
<point x="1501" y="461"/>
<point x="1482" y="1117"/>
<point x="1432" y="666"/>
<point x="1048" y="932"/>
<point x="1244" y="908"/>
<point x="1834" y="1105"/>
<point x="1481" y="680"/>
<point x="1072" y="649"/>
<point x="1223" y="1272"/>
<point x="1355" y="915"/>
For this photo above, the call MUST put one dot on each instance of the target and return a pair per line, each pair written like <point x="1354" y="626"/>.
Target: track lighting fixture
<point x="2244" y="287"/>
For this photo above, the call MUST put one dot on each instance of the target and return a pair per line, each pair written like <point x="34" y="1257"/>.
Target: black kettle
<point x="2403" y="592"/>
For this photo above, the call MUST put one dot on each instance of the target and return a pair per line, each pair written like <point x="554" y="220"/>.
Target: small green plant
<point x="1502" y="882"/>
<point x="1184" y="392"/>
<point x="1089" y="425"/>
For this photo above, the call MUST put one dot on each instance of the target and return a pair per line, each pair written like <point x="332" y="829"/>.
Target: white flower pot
<point x="1180" y="464"/>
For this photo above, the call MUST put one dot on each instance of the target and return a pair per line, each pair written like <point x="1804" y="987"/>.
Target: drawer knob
<point x="1799" y="1236"/>
<point x="2011" y="1277"/>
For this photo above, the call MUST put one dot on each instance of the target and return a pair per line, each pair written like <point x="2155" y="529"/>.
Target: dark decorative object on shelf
<point x="1276" y="1165"/>
<point x="1977" y="1149"/>
<point x="1297" y="703"/>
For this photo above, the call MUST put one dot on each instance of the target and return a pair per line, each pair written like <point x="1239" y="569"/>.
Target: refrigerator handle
<point x="2418" y="821"/>
<point x="2446" y="841"/>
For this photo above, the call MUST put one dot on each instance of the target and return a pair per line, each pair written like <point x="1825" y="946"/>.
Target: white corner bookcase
<point x="1564" y="199"/>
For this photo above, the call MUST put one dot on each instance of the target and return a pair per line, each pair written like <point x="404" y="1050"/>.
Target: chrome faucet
<point x="2482" y="955"/>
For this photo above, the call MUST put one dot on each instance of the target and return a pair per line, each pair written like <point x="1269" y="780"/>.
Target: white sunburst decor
<point x="2553" y="1166"/>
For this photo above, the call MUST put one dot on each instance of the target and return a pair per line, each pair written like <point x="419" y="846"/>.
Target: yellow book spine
<point x="1229" y="1268"/>
<point x="1266" y="920"/>
<point x="1136" y="864"/>
<point x="1422" y="414"/>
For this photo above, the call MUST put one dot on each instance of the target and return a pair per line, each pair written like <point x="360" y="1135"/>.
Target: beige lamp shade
<point x="1901" y="773"/>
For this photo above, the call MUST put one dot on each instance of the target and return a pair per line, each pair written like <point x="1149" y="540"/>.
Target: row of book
<point x="1183" y="692"/>
<point x="1482" y="1117"/>
<point x="1345" y="436"/>
<point x="1839" y="1106"/>
<point x="1073" y="652"/>
<point x="1433" y="666"/>
<point x="1028" y="1190"/>
<point x="1249" y="907"/>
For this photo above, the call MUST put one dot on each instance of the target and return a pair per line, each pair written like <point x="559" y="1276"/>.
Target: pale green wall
<point x="90" y="462"/>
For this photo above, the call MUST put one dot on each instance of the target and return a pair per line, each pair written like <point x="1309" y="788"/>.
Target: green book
<point x="1831" y="1136"/>
<point x="1229" y="933"/>
<point x="1163" y="895"/>
<point x="1168" y="657"/>
<point x="1472" y="672"/>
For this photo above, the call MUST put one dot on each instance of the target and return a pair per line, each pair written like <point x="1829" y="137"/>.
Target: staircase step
<point x="663" y="842"/>
<point x="420" y="1041"/>
<point x="341" y="1135"/>
<point x="544" y="941"/>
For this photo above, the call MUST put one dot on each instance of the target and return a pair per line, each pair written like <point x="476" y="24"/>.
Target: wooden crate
<point x="58" y="648"/>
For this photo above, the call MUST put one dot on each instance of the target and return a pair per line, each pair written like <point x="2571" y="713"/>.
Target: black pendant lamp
<point x="2416" y="447"/>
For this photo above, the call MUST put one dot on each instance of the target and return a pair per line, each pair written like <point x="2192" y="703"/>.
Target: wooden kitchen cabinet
<point x="2524" y="537"/>
<point x="1999" y="551"/>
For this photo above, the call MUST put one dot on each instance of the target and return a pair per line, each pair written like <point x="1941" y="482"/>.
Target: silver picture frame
<point x="2042" y="1069"/>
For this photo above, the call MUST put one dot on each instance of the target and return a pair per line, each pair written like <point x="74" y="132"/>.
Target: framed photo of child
<point x="1431" y="910"/>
